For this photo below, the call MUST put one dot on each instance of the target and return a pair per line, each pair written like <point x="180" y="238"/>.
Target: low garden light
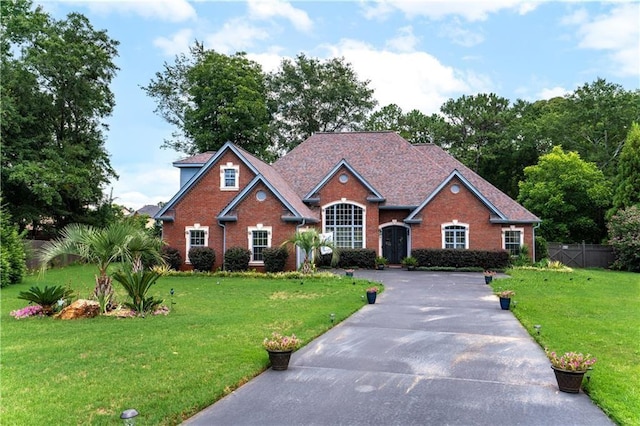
<point x="129" y="417"/>
<point x="332" y="317"/>
<point x="537" y="327"/>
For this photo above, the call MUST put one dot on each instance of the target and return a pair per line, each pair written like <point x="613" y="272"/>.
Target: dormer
<point x="191" y="165"/>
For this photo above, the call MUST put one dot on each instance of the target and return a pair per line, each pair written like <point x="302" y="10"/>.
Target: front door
<point x="394" y="243"/>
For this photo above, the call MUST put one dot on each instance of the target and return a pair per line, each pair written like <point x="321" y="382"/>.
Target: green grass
<point x="166" y="367"/>
<point x="589" y="311"/>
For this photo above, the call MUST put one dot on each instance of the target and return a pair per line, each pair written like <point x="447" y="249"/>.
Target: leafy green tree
<point x="212" y="98"/>
<point x="311" y="96"/>
<point x="12" y="251"/>
<point x="55" y="94"/>
<point x="569" y="195"/>
<point x="118" y="242"/>
<point x="624" y="236"/>
<point x="596" y="121"/>
<point x="414" y="126"/>
<point x="627" y="181"/>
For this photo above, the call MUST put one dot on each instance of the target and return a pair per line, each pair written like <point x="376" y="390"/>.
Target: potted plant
<point x="505" y="298"/>
<point x="279" y="348"/>
<point x="372" y="292"/>
<point x="410" y="263"/>
<point x="381" y="262"/>
<point x="488" y="276"/>
<point x="348" y="272"/>
<point x="570" y="369"/>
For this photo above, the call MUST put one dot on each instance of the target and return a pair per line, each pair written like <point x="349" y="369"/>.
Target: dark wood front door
<point x="394" y="243"/>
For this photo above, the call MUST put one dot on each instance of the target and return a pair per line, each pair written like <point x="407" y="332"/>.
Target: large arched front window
<point x="346" y="223"/>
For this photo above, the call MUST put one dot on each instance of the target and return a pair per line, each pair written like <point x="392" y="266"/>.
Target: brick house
<point x="369" y="189"/>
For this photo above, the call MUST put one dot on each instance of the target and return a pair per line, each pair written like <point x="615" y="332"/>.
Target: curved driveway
<point x="435" y="349"/>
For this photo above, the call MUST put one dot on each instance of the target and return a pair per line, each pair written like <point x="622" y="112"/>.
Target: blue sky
<point x="416" y="54"/>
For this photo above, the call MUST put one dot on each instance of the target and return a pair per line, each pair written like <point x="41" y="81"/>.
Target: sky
<point x="415" y="53"/>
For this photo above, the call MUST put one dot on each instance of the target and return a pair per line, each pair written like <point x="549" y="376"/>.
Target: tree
<point x="310" y="242"/>
<point x="570" y="196"/>
<point x="212" y="98"/>
<point x="55" y="94"/>
<point x="414" y="126"/>
<point x="313" y="96"/>
<point x="12" y="251"/>
<point x="624" y="236"/>
<point x="627" y="181"/>
<point x="119" y="241"/>
<point x="596" y="120"/>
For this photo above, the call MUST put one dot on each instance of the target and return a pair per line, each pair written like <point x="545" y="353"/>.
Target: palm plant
<point x="310" y="242"/>
<point x="137" y="284"/>
<point x="47" y="297"/>
<point x="102" y="246"/>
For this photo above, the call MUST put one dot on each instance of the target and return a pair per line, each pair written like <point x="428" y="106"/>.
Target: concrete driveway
<point x="435" y="349"/>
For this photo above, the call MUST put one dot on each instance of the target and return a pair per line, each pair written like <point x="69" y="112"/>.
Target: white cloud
<point x="266" y="9"/>
<point x="460" y="34"/>
<point x="178" y="43"/>
<point x="616" y="32"/>
<point x="468" y="9"/>
<point x="553" y="92"/>
<point x="236" y="34"/>
<point x="405" y="41"/>
<point x="164" y="10"/>
<point x="408" y="79"/>
<point x="145" y="183"/>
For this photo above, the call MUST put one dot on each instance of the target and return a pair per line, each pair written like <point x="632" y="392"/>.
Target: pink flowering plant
<point x="571" y="361"/>
<point x="372" y="290"/>
<point x="29" y="311"/>
<point x="278" y="342"/>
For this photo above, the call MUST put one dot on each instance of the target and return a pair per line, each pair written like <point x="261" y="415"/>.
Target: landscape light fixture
<point x="129" y="417"/>
<point x="332" y="317"/>
<point x="537" y="327"/>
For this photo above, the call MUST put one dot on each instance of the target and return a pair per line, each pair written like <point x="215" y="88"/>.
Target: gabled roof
<point x="295" y="215"/>
<point x="271" y="178"/>
<point x="197" y="160"/>
<point x="149" y="210"/>
<point x="377" y="197"/>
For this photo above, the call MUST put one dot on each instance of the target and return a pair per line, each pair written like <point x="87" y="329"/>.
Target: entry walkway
<point x="435" y="349"/>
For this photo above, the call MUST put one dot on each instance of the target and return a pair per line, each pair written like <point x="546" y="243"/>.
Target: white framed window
<point x="259" y="237"/>
<point x="346" y="221"/>
<point x="455" y="235"/>
<point x="195" y="236"/>
<point x="229" y="177"/>
<point x="512" y="239"/>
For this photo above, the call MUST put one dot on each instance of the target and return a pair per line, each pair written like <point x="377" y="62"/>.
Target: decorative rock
<point x="80" y="309"/>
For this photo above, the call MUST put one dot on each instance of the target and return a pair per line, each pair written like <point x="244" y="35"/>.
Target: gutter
<point x="224" y="240"/>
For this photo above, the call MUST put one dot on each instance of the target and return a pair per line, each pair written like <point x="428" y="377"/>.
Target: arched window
<point x="455" y="236"/>
<point x="346" y="223"/>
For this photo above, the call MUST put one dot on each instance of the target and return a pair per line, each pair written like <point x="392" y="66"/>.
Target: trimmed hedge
<point x="357" y="258"/>
<point x="202" y="258"/>
<point x="237" y="259"/>
<point x="172" y="256"/>
<point x="452" y="258"/>
<point x="275" y="259"/>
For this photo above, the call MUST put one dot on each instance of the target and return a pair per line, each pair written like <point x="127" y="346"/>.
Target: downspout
<point x="224" y="240"/>
<point x="303" y="223"/>
<point x="534" y="240"/>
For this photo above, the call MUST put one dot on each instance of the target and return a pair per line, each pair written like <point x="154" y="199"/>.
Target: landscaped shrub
<point x="237" y="259"/>
<point x="13" y="264"/>
<point x="137" y="284"/>
<point x="172" y="256"/>
<point x="542" y="249"/>
<point x="275" y="259"/>
<point x="452" y="258"/>
<point x="202" y="258"/>
<point x="358" y="258"/>
<point x="624" y="236"/>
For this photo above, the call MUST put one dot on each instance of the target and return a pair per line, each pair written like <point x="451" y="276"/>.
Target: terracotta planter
<point x="279" y="359"/>
<point x="568" y="381"/>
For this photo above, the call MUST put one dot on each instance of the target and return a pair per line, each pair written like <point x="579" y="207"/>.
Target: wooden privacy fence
<point x="582" y="255"/>
<point x="33" y="247"/>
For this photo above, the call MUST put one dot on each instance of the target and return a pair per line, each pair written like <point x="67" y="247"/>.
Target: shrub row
<point x="461" y="258"/>
<point x="275" y="259"/>
<point x="237" y="259"/>
<point x="357" y="258"/>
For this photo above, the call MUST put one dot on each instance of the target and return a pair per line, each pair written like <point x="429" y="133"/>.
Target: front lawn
<point x="589" y="311"/>
<point x="166" y="367"/>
